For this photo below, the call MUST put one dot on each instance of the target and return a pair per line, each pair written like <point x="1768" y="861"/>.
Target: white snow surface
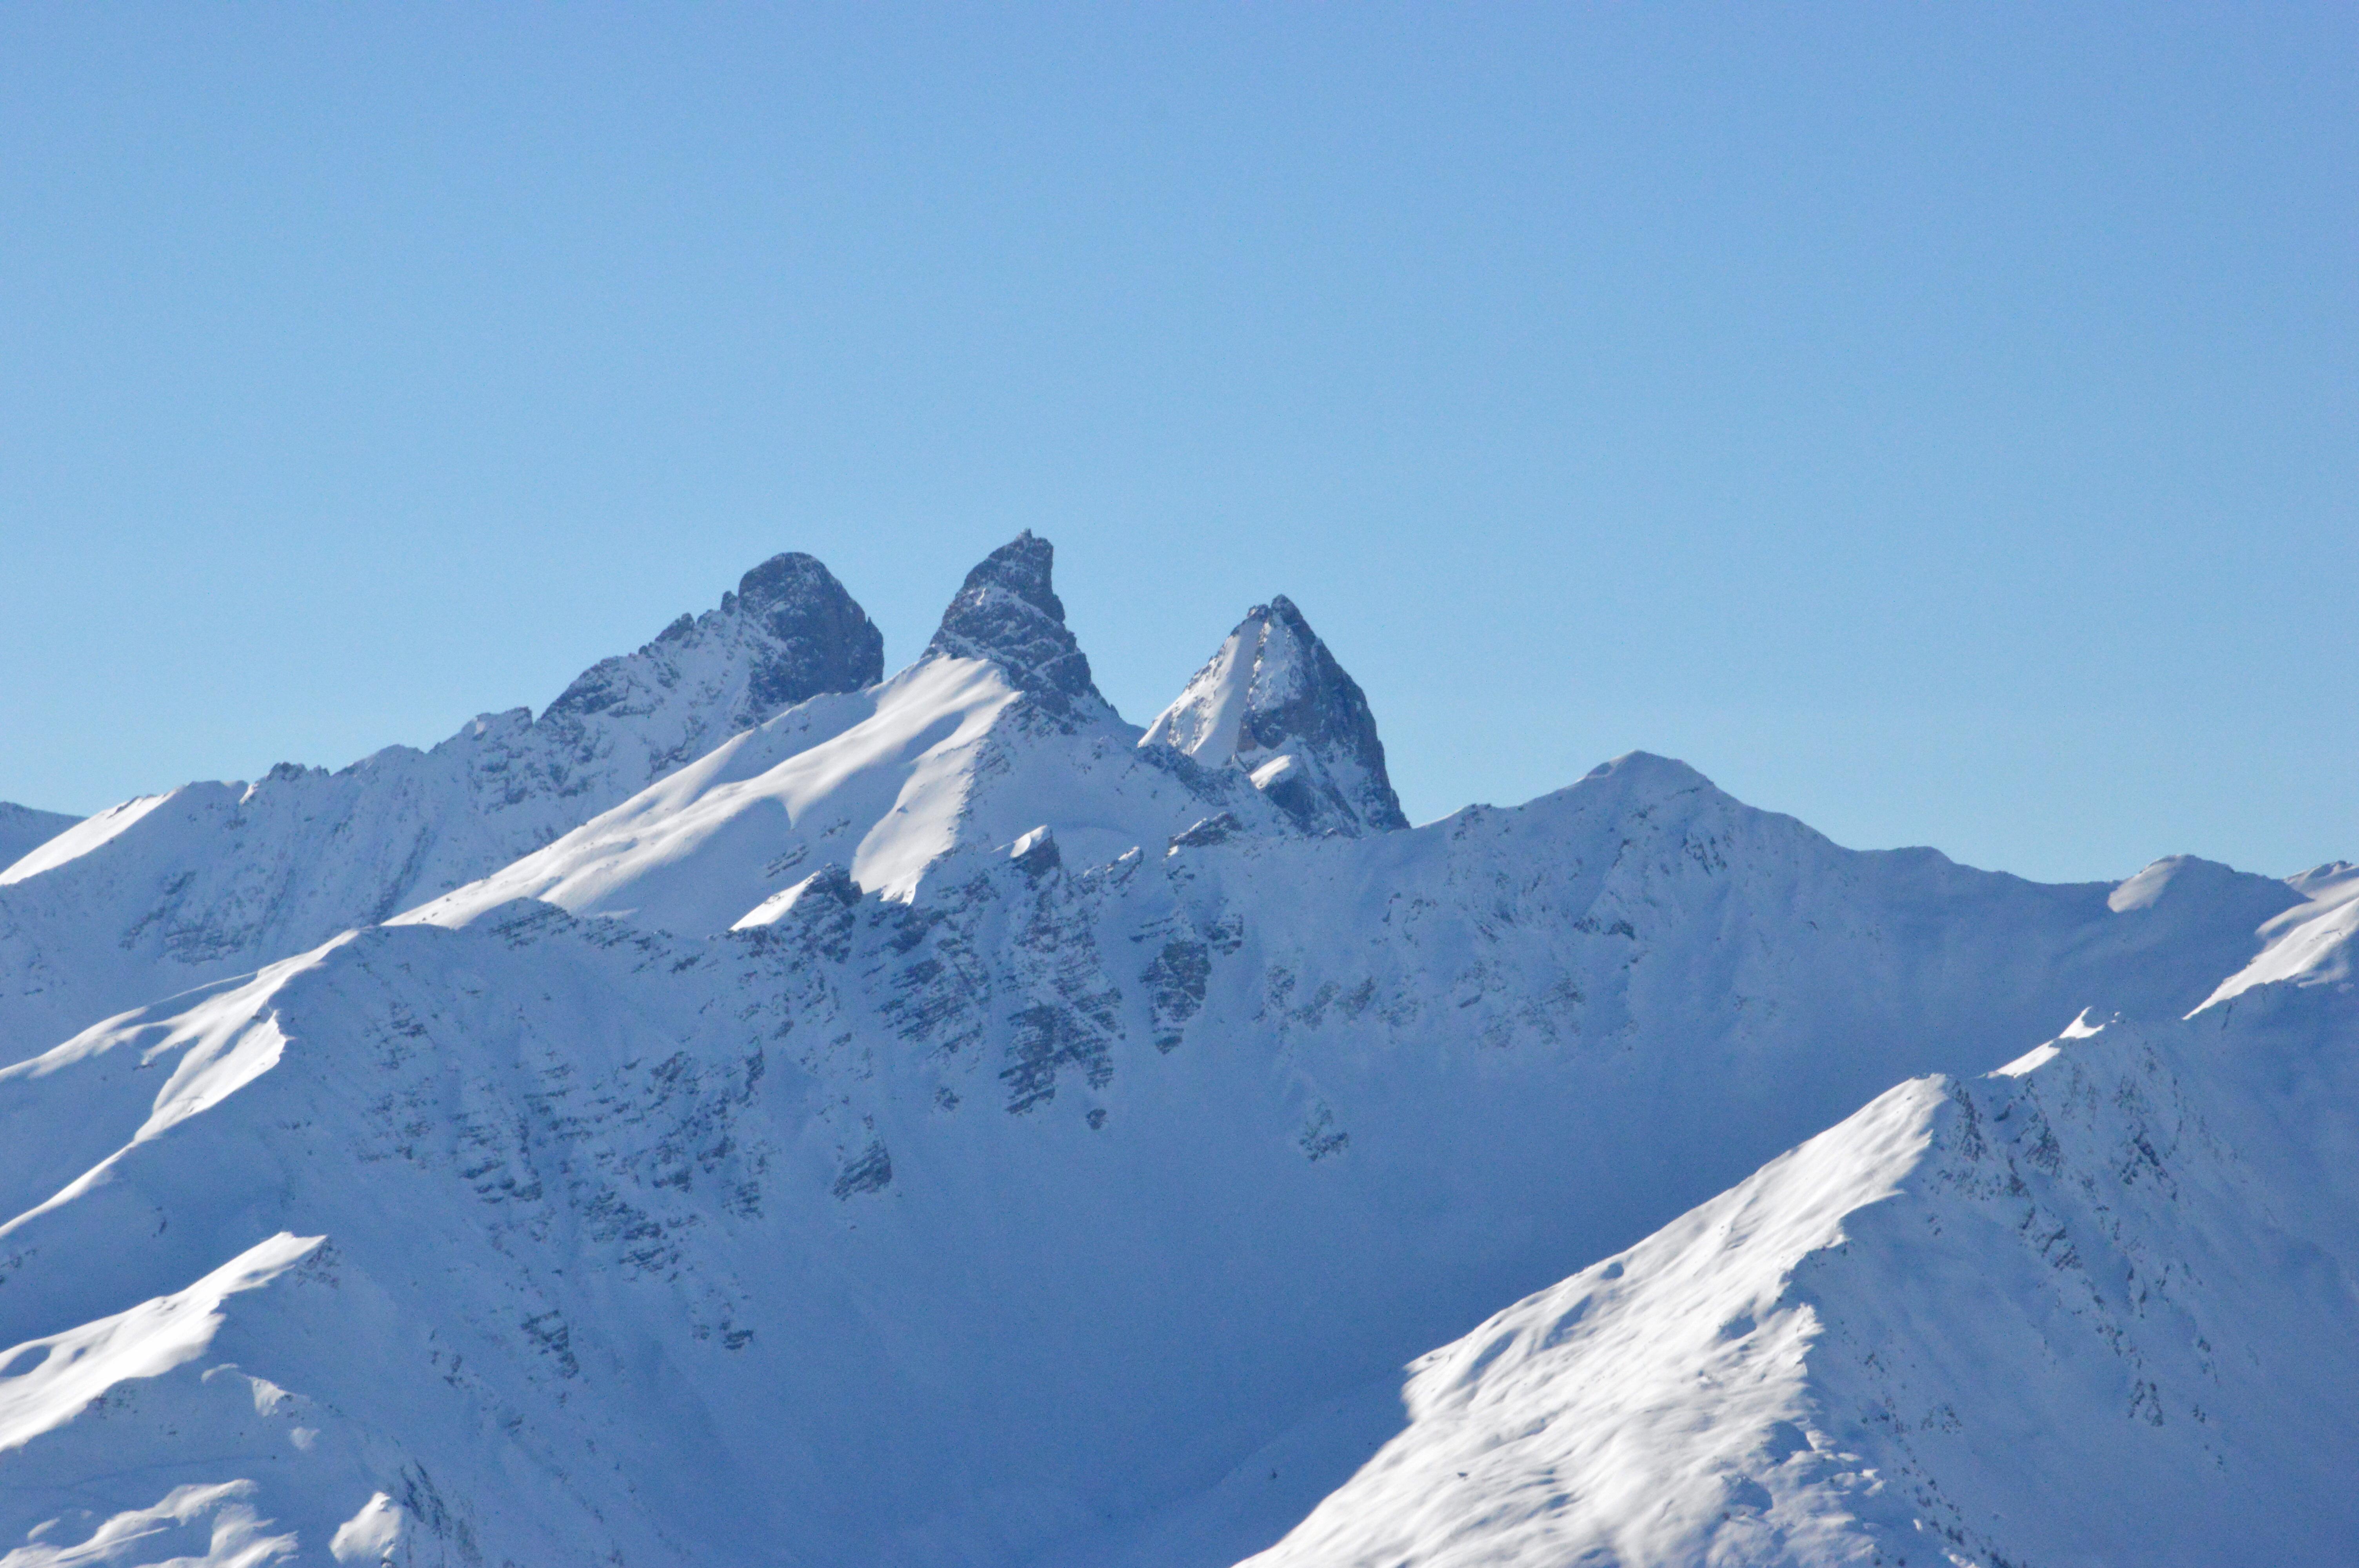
<point x="888" y="781"/>
<point x="1204" y="719"/>
<point x="2310" y="944"/>
<point x="209" y="880"/>
<point x="1062" y="1208"/>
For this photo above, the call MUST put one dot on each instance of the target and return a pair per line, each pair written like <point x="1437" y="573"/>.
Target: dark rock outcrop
<point x="1008" y="612"/>
<point x="794" y="629"/>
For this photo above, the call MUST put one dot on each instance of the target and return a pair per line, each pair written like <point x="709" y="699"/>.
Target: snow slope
<point x="729" y="1249"/>
<point x="167" y="892"/>
<point x="24" y="829"/>
<point x="2310" y="944"/>
<point x="2100" y="1306"/>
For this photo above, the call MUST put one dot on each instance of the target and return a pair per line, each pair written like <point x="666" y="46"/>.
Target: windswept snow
<point x="2311" y="943"/>
<point x="888" y="781"/>
<point x="45" y="1383"/>
<point x="75" y="840"/>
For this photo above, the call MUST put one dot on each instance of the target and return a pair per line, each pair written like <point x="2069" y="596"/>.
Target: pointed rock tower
<point x="1275" y="702"/>
<point x="817" y="638"/>
<point x="1008" y="612"/>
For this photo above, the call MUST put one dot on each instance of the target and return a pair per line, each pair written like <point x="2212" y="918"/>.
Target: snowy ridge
<point x="2310" y="944"/>
<point x="2096" y="1307"/>
<point x="1274" y="703"/>
<point x="924" y="1173"/>
<point x="24" y="829"/>
<point x="170" y="891"/>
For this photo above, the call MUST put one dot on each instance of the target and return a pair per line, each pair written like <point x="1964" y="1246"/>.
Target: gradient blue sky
<point x="1938" y="422"/>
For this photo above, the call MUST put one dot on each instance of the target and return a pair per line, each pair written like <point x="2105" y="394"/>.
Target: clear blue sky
<point x="1938" y="422"/>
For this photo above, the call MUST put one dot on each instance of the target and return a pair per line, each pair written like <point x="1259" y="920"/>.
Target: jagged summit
<point x="1273" y="701"/>
<point x="1008" y="612"/>
<point x="789" y="633"/>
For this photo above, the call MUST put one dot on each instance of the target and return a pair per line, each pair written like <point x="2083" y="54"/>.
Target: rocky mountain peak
<point x="1273" y="701"/>
<point x="1008" y="612"/>
<point x="789" y="633"/>
<point x="823" y="640"/>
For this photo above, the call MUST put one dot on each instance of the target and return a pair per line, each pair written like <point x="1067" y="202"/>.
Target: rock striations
<point x="1275" y="703"/>
<point x="944" y="1125"/>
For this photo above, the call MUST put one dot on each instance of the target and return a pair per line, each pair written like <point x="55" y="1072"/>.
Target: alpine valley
<point x="764" y="1110"/>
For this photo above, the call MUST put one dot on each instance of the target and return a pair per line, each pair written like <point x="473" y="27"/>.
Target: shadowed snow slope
<point x="1074" y="1204"/>
<point x="24" y="829"/>
<point x="2098" y="1307"/>
<point x="168" y="891"/>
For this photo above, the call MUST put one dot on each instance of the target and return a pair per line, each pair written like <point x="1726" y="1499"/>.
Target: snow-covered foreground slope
<point x="24" y="829"/>
<point x="2099" y="1307"/>
<point x="209" y="880"/>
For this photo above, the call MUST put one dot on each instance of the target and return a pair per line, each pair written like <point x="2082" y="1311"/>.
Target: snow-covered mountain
<point x="2099" y="1306"/>
<point x="1274" y="702"/>
<point x="209" y="880"/>
<point x="944" y="1124"/>
<point x="997" y="730"/>
<point x="24" y="829"/>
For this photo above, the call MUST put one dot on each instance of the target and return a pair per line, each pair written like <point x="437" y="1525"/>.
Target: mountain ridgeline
<point x="768" y="1110"/>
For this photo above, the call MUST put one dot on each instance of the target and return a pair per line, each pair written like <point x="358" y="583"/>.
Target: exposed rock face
<point x="827" y="642"/>
<point x="1008" y="612"/>
<point x="790" y="632"/>
<point x="1275" y="702"/>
